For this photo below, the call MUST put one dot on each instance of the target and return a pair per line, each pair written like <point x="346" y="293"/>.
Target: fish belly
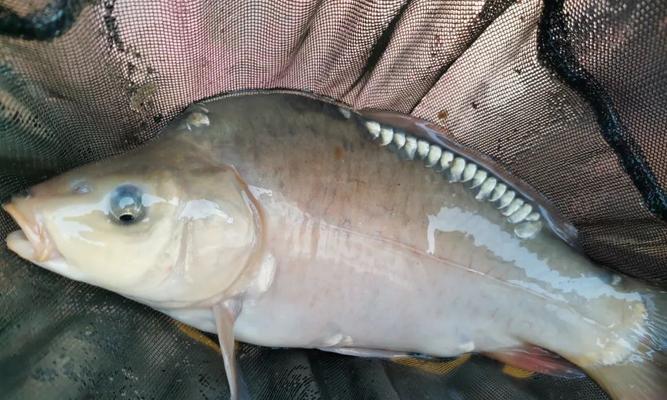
<point x="354" y="291"/>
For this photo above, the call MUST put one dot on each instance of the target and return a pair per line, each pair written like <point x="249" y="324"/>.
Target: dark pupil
<point x="125" y="204"/>
<point x="127" y="217"/>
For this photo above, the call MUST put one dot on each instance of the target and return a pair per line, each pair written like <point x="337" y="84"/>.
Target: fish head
<point x="162" y="226"/>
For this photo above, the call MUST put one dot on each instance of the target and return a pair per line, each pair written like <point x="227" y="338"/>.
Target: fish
<point x="380" y="238"/>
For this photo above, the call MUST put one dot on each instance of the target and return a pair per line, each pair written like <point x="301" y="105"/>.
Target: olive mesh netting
<point x="571" y="96"/>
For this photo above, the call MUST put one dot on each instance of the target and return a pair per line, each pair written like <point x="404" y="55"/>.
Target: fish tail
<point x="642" y="375"/>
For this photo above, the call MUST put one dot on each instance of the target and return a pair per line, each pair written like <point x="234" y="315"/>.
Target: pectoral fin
<point x="225" y="314"/>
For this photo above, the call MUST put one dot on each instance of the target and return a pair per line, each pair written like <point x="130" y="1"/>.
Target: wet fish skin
<point x="348" y="248"/>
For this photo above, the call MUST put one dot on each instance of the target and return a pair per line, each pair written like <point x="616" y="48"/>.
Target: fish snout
<point x="31" y="242"/>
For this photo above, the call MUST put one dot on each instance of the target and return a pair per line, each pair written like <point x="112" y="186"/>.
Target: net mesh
<point x="568" y="95"/>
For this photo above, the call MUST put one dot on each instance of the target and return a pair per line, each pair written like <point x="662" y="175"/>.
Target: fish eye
<point x="125" y="205"/>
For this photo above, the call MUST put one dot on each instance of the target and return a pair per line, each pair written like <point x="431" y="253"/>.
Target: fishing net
<point x="570" y="96"/>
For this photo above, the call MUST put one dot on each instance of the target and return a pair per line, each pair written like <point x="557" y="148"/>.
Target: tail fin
<point x="643" y="375"/>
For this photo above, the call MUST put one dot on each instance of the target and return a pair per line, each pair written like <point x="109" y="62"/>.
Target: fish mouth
<point x="31" y="242"/>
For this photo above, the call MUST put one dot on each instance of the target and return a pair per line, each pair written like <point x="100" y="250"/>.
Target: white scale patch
<point x="458" y="169"/>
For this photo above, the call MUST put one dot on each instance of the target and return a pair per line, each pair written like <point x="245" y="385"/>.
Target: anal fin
<point x="537" y="359"/>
